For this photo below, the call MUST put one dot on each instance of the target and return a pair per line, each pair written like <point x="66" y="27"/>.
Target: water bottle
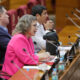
<point x="54" y="74"/>
<point x="62" y="53"/>
<point x="61" y="65"/>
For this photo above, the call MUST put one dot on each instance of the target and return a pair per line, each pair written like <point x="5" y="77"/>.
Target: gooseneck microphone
<point x="21" y="70"/>
<point x="70" y="43"/>
<point x="75" y="15"/>
<point x="77" y="35"/>
<point x="77" y="10"/>
<point x="69" y="18"/>
<point x="51" y="43"/>
<point x="30" y="55"/>
<point x="38" y="45"/>
<point x="55" y="46"/>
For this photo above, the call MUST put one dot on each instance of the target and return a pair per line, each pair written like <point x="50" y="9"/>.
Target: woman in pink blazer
<point x="21" y="47"/>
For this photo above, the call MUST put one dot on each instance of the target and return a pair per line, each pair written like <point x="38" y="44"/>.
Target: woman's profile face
<point x="33" y="28"/>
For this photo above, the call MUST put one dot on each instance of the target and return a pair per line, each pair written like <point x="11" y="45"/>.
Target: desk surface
<point x="34" y="74"/>
<point x="63" y="36"/>
<point x="68" y="31"/>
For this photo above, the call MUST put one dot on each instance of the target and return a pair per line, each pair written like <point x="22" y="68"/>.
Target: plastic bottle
<point x="61" y="65"/>
<point x="54" y="74"/>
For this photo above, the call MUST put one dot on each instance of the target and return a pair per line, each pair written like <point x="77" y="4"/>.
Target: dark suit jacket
<point x="4" y="39"/>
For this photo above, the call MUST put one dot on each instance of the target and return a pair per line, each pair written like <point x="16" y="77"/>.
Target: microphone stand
<point x="76" y="15"/>
<point x="51" y="43"/>
<point x="55" y="46"/>
<point x="77" y="10"/>
<point x="77" y="35"/>
<point x="69" y="18"/>
<point x="29" y="55"/>
<point x="21" y="70"/>
<point x="69" y="40"/>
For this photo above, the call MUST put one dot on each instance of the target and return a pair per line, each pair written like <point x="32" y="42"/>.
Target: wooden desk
<point x="68" y="31"/>
<point x="73" y="71"/>
<point x="34" y="74"/>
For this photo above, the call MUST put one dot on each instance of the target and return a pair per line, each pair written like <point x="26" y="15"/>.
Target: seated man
<point x="4" y="35"/>
<point x="42" y="17"/>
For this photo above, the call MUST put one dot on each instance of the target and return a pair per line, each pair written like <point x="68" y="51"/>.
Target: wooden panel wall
<point x="49" y="6"/>
<point x="14" y="4"/>
<point x="5" y="3"/>
<point x="63" y="7"/>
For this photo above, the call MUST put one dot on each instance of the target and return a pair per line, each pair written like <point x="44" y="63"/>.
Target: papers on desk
<point x="30" y="67"/>
<point x="66" y="48"/>
<point x="42" y="67"/>
<point x="53" y="60"/>
<point x="62" y="53"/>
<point x="63" y="49"/>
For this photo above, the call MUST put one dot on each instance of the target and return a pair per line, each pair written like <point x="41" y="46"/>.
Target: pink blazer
<point x="16" y="53"/>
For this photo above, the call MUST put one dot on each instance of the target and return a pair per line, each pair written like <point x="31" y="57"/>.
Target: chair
<point x="22" y="10"/>
<point x="32" y="3"/>
<point x="13" y="19"/>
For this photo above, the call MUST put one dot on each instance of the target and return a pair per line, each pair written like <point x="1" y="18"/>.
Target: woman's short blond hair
<point x="23" y="24"/>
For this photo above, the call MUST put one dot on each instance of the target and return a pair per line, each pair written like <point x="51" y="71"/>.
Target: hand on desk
<point x="48" y="59"/>
<point x="45" y="57"/>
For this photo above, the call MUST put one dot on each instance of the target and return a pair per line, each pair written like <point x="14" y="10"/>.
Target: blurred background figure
<point x="4" y="35"/>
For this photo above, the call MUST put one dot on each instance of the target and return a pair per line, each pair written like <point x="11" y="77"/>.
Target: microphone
<point x="21" y="70"/>
<point x="29" y="55"/>
<point x="77" y="10"/>
<point x="51" y="43"/>
<point x="38" y="45"/>
<point x="77" y="35"/>
<point x="69" y="18"/>
<point x="70" y="43"/>
<point x="55" y="46"/>
<point x="76" y="15"/>
<point x="69" y="39"/>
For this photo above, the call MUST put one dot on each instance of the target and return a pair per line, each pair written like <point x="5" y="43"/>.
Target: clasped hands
<point x="45" y="57"/>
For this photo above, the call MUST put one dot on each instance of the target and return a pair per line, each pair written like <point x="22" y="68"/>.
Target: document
<point x="42" y="67"/>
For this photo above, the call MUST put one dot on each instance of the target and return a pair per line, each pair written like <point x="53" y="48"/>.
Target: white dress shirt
<point x="38" y="38"/>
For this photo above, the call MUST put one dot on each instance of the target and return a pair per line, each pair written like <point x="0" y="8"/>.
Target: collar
<point x="38" y="24"/>
<point x="4" y="28"/>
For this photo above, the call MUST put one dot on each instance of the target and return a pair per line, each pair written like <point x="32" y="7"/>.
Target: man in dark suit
<point x="4" y="35"/>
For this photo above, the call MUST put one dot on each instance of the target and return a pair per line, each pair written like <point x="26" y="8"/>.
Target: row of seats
<point x="14" y="15"/>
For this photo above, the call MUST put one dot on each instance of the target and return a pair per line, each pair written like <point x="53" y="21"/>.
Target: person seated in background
<point x="52" y="39"/>
<point x="4" y="35"/>
<point x="20" y="49"/>
<point x="52" y="42"/>
<point x="43" y="24"/>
